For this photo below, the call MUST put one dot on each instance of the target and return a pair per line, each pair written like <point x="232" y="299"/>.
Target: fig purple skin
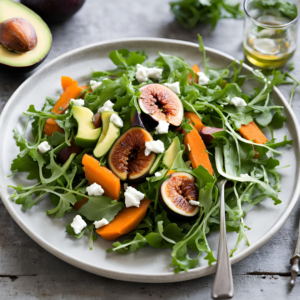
<point x="64" y="154"/>
<point x="54" y="10"/>
<point x="207" y="134"/>
<point x="137" y="120"/>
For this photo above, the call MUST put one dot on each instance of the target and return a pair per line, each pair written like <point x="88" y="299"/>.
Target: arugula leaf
<point x="97" y="208"/>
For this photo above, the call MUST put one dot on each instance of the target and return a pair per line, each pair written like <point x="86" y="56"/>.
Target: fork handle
<point x="223" y="285"/>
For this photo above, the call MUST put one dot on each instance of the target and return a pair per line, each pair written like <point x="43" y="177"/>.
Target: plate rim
<point x="152" y="277"/>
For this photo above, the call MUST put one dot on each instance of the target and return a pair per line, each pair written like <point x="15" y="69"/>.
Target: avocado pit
<point x="17" y="35"/>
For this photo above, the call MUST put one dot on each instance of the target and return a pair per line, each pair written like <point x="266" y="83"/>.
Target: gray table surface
<point x="27" y="271"/>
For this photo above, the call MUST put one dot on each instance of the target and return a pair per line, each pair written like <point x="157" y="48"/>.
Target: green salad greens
<point x="251" y="168"/>
<point x="191" y="12"/>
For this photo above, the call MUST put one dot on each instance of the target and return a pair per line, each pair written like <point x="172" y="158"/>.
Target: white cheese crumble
<point x="154" y="146"/>
<point x="94" y="84"/>
<point x="100" y="223"/>
<point x="192" y="202"/>
<point x="107" y="106"/>
<point x="162" y="127"/>
<point x="44" y="147"/>
<point x="133" y="197"/>
<point x="117" y="120"/>
<point x="175" y="87"/>
<point x="95" y="190"/>
<point x="202" y="78"/>
<point x="78" y="224"/>
<point x="77" y="102"/>
<point x="238" y="102"/>
<point x="143" y="73"/>
<point x="157" y="174"/>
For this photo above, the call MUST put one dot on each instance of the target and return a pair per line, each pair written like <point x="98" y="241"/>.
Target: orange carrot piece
<point x="198" y="154"/>
<point x="101" y="175"/>
<point x="195" y="120"/>
<point x="251" y="132"/>
<point x="72" y="92"/>
<point x="196" y="69"/>
<point x="170" y="172"/>
<point x="125" y="221"/>
<point x="78" y="204"/>
<point x="66" y="81"/>
<point x="51" y="126"/>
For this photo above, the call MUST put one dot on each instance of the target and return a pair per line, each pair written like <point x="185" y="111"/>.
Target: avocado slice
<point x="171" y="153"/>
<point x="87" y="135"/>
<point x="109" y="134"/>
<point x="10" y="9"/>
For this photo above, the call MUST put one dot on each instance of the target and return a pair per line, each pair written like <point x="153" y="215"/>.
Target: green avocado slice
<point x="109" y="134"/>
<point x="10" y="9"/>
<point x="171" y="153"/>
<point x="87" y="135"/>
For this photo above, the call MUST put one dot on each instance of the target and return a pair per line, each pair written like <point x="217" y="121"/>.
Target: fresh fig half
<point x="161" y="103"/>
<point x="127" y="157"/>
<point x="176" y="192"/>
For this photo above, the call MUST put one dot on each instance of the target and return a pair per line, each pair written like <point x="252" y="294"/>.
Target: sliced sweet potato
<point x="101" y="175"/>
<point x="51" y="126"/>
<point x="125" y="221"/>
<point x="195" y="120"/>
<point x="251" y="132"/>
<point x="198" y="154"/>
<point x="66" y="81"/>
<point x="196" y="69"/>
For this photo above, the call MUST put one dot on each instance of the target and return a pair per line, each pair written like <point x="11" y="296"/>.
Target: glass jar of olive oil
<point x="270" y="31"/>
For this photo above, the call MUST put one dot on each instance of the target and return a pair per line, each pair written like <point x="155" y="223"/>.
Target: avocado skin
<point x="22" y="69"/>
<point x="53" y="11"/>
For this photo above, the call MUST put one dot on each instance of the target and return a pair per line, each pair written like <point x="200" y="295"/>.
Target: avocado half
<point x="29" y="60"/>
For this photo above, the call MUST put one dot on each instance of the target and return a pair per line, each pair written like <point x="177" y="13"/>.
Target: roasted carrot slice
<point x="63" y="102"/>
<point x="196" y="69"/>
<point x="51" y="126"/>
<point x="195" y="120"/>
<point x="251" y="132"/>
<point x="101" y="175"/>
<point x="66" y="81"/>
<point x="78" y="204"/>
<point x="170" y="172"/>
<point x="125" y="221"/>
<point x="198" y="154"/>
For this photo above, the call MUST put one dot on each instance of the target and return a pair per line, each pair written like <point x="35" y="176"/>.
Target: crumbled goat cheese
<point x="107" y="106"/>
<point x="175" y="87"/>
<point x="154" y="146"/>
<point x="95" y="190"/>
<point x="202" y="78"/>
<point x="157" y="174"/>
<point x="133" y="197"/>
<point x="77" y="102"/>
<point x="238" y="102"/>
<point x="192" y="202"/>
<point x="162" y="127"/>
<point x="100" y="223"/>
<point x="116" y="120"/>
<point x="44" y="147"/>
<point x="94" y="84"/>
<point x="143" y="73"/>
<point x="78" y="224"/>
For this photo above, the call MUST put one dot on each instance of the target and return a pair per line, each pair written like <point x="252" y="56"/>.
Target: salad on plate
<point x="138" y="150"/>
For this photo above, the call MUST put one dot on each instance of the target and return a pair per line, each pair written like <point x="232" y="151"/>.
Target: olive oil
<point x="269" y="38"/>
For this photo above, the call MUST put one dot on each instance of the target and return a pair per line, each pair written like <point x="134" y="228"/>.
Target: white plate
<point x="148" y="264"/>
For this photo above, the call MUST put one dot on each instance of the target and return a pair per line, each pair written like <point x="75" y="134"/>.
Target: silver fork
<point x="223" y="285"/>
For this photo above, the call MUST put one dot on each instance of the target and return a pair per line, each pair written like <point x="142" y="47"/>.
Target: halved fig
<point x="161" y="103"/>
<point x="127" y="157"/>
<point x="176" y="192"/>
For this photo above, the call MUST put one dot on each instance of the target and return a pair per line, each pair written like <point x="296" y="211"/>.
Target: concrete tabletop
<point x="27" y="271"/>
